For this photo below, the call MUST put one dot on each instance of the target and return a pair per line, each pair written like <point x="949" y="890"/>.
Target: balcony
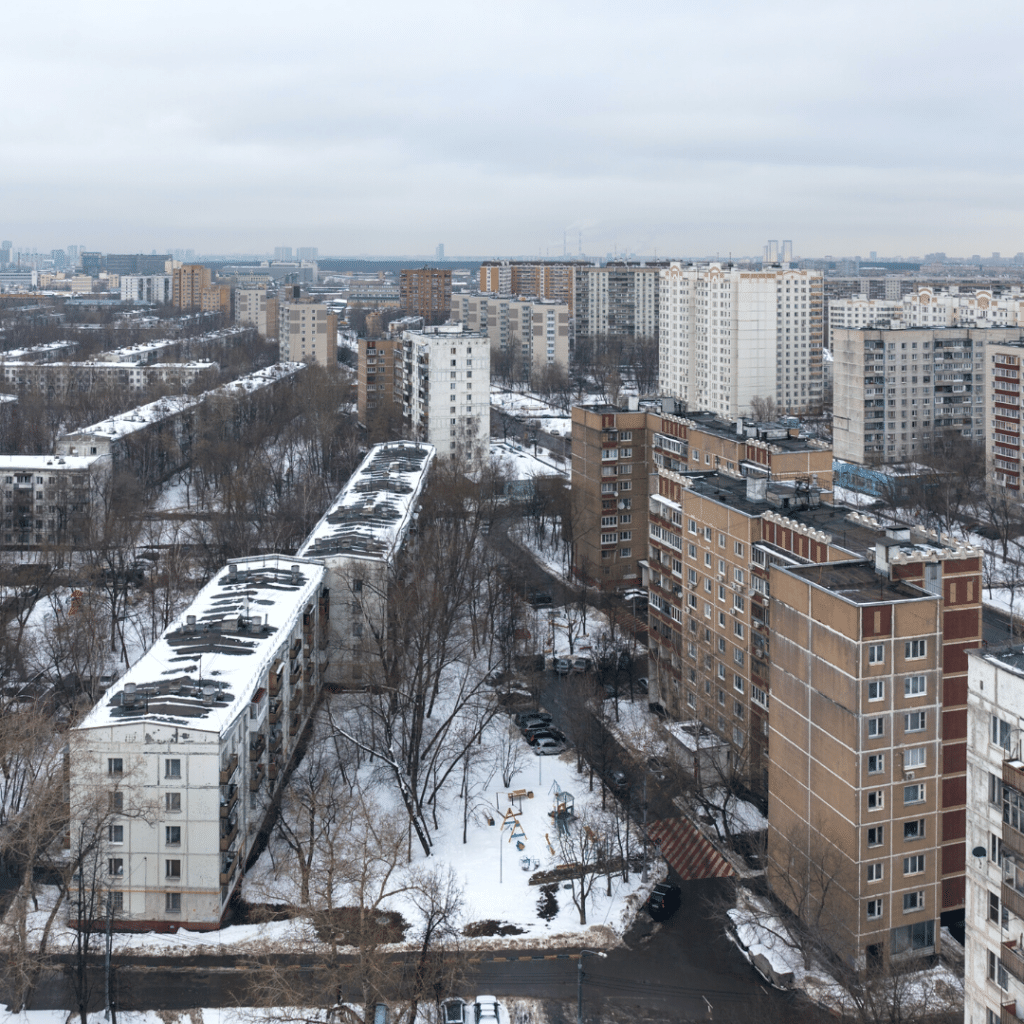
<point x="272" y="773"/>
<point x="1008" y="1013"/>
<point x="275" y="744"/>
<point x="257" y="746"/>
<point x="275" y="712"/>
<point x="1013" y="841"/>
<point x="293" y="726"/>
<point x="297" y="695"/>
<point x="228" y="803"/>
<point x="228" y="864"/>
<point x="258" y="774"/>
<point x="229" y="770"/>
<point x="276" y="678"/>
<point x="228" y="833"/>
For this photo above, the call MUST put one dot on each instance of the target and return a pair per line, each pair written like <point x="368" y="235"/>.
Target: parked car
<point x="657" y="767"/>
<point x="539" y="598"/>
<point x="664" y="901"/>
<point x="532" y="735"/>
<point x="580" y="665"/>
<point x="619" y="779"/>
<point x="529" y="717"/>
<point x="548" y="745"/>
<point x="562" y="666"/>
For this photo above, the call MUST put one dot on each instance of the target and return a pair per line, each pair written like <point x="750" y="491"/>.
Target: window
<point x="115" y="766"/>
<point x="913" y="936"/>
<point x="914" y="686"/>
<point x="995" y="789"/>
<point x="172" y="801"/>
<point x="874" y="910"/>
<point x="172" y="768"/>
<point x="876" y="764"/>
<point x="913" y="865"/>
<point x="914" y="757"/>
<point x="914" y="794"/>
<point x="913" y="901"/>
<point x="915" y="721"/>
<point x="115" y="866"/>
<point x="115" y="900"/>
<point x="172" y="869"/>
<point x="876" y="800"/>
<point x="876" y="727"/>
<point x="876" y="654"/>
<point x="876" y="835"/>
<point x="875" y="872"/>
<point x="1000" y="733"/>
<point x="172" y="835"/>
<point x="996" y="971"/>
<point x="993" y="907"/>
<point x="172" y="902"/>
<point x="738" y="548"/>
<point x="737" y="683"/>
<point x="913" y="829"/>
<point x="915" y="649"/>
<point x="115" y="833"/>
<point x="876" y="689"/>
<point x="115" y="802"/>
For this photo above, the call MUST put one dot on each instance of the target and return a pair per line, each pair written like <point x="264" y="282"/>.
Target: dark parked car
<point x="540" y="598"/>
<point x="664" y="901"/>
<point x="528" y="719"/>
<point x="532" y="735"/>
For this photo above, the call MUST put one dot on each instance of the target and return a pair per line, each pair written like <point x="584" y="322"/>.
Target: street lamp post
<point x="579" y="981"/>
<point x="644" y="875"/>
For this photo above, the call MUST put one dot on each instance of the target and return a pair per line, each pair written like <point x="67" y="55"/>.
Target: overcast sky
<point x="387" y="127"/>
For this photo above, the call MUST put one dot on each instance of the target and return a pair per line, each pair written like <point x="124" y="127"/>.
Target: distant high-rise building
<point x="729" y="336"/>
<point x="189" y="282"/>
<point x="426" y="292"/>
<point x="5" y="253"/>
<point x="307" y="332"/>
<point x="283" y="252"/>
<point x="545" y="280"/>
<point x="307" y="252"/>
<point x="59" y="258"/>
<point x="617" y="299"/>
<point x="92" y="263"/>
<point x="73" y="251"/>
<point x="439" y="251"/>
<point x="787" y="251"/>
<point x="771" y="251"/>
<point x="136" y="263"/>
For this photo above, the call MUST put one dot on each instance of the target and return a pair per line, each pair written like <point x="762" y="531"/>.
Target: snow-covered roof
<point x="35" y="352"/>
<point x="693" y="735"/>
<point x="135" y="419"/>
<point x="39" y="463"/>
<point x="371" y="515"/>
<point x="206" y="667"/>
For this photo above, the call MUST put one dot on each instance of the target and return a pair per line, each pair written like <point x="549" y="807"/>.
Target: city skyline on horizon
<point x="658" y="131"/>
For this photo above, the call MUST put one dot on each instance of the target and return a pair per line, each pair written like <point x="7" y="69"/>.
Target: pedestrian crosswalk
<point x="690" y="854"/>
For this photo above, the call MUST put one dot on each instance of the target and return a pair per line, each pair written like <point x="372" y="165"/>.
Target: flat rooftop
<point x="372" y="513"/>
<point x="859" y="583"/>
<point x="203" y="670"/>
<point x="844" y="523"/>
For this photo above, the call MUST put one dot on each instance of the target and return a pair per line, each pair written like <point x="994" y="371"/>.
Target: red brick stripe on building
<point x="689" y="853"/>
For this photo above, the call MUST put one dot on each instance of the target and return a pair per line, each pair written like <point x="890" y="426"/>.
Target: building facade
<point x="533" y="332"/>
<point x="619" y="299"/>
<point x="729" y="336"/>
<point x="895" y="391"/>
<point x="174" y="774"/>
<point x="426" y="292"/>
<point x="994" y="932"/>
<point x="552" y="281"/>
<point x="447" y="377"/>
<point x="251" y="310"/>
<point x="149" y="288"/>
<point x="307" y="332"/>
<point x="380" y="377"/>
<point x="187" y="285"/>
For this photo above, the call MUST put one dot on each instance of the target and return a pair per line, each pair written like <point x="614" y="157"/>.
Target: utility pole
<point x="579" y="981"/>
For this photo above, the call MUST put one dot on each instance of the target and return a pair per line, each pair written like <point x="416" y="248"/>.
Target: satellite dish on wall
<point x="979" y="851"/>
<point x="622" y="503"/>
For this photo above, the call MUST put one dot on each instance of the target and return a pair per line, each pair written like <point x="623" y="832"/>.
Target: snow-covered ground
<point x="521" y="463"/>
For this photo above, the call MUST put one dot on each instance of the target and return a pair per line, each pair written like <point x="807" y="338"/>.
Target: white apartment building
<point x="251" y="308"/>
<point x="50" y="499"/>
<point x="729" y="336"/>
<point x="308" y="332"/>
<point x="149" y="288"/>
<point x="994" y="911"/>
<point x="174" y="771"/>
<point x="860" y="311"/>
<point x="447" y="389"/>
<point x="358" y="540"/>
<point x="617" y="299"/>
<point x="1003" y="438"/>
<point x="928" y="307"/>
<point x="535" y="330"/>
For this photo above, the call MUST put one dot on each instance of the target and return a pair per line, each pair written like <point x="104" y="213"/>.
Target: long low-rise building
<point x="56" y="378"/>
<point x="358" y="539"/>
<point x="174" y="772"/>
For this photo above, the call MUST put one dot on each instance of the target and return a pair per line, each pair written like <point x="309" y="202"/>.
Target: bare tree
<point x="580" y="848"/>
<point x="764" y="409"/>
